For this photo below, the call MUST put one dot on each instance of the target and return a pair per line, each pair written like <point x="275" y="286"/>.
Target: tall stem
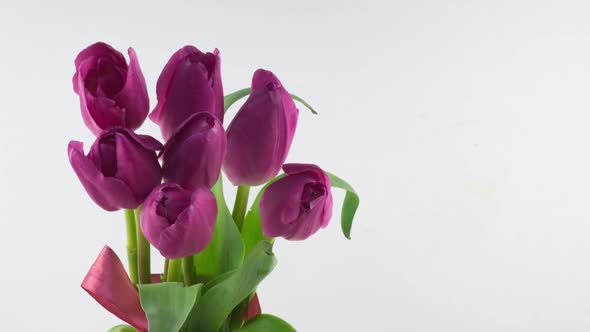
<point x="174" y="270"/>
<point x="143" y="252"/>
<point x="188" y="270"/>
<point x="240" y="205"/>
<point x="131" y="245"/>
<point x="165" y="273"/>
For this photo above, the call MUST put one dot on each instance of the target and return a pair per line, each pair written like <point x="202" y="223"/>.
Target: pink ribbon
<point x="107" y="282"/>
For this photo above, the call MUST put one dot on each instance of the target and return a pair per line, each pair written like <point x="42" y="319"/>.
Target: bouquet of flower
<point x="172" y="193"/>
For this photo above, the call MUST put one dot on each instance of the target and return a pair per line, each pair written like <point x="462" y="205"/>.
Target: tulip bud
<point x="120" y="170"/>
<point x="193" y="155"/>
<point x="179" y="222"/>
<point x="260" y="135"/>
<point x="190" y="83"/>
<point x="297" y="205"/>
<point x="112" y="93"/>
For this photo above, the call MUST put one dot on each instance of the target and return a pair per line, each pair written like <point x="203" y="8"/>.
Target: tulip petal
<point x="190" y="83"/>
<point x="194" y="153"/>
<point x="307" y="224"/>
<point x="282" y="198"/>
<point x="109" y="193"/>
<point x="177" y="222"/>
<point x="107" y="282"/>
<point x="100" y="49"/>
<point x="317" y="172"/>
<point x="132" y="154"/>
<point x="260" y="135"/>
<point x="256" y="141"/>
<point x="321" y="177"/>
<point x="193" y="229"/>
<point x="152" y="224"/>
<point x="217" y="85"/>
<point x="165" y="79"/>
<point x="149" y="142"/>
<point x="97" y="112"/>
<point x="296" y="205"/>
<point x="134" y="94"/>
<point x="112" y="93"/>
<point x="233" y="97"/>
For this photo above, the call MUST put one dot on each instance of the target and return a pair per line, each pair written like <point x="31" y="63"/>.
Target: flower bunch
<point x="172" y="193"/>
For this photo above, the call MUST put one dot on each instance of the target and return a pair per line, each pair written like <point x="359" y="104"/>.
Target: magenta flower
<point x="297" y="205"/>
<point x="120" y="170"/>
<point x="193" y="155"/>
<point x="112" y="93"/>
<point x="260" y="135"/>
<point x="179" y="222"/>
<point x="190" y="83"/>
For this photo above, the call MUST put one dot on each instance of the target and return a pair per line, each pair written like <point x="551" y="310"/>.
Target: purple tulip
<point x="193" y="155"/>
<point x="112" y="93"/>
<point x="190" y="83"/>
<point x="179" y="222"/>
<point x="260" y="135"/>
<point x="297" y="205"/>
<point x="120" y="170"/>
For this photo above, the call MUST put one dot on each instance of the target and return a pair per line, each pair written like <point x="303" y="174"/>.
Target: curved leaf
<point x="230" y="99"/>
<point x="264" y="323"/>
<point x="168" y="305"/>
<point x="350" y="204"/>
<point x="225" y="252"/>
<point x="217" y="280"/>
<point x="233" y="97"/>
<point x="122" y="328"/>
<point x="252" y="227"/>
<point x="218" y="302"/>
<point x="306" y="104"/>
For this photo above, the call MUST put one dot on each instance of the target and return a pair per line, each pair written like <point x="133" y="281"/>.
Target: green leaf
<point x="265" y="323"/>
<point x="230" y="99"/>
<point x="225" y="252"/>
<point x="217" y="280"/>
<point x="218" y="302"/>
<point x="122" y="328"/>
<point x="306" y="104"/>
<point x="233" y="97"/>
<point x="350" y="204"/>
<point x="168" y="305"/>
<point x="252" y="227"/>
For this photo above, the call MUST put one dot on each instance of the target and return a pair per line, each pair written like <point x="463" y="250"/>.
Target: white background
<point x="462" y="124"/>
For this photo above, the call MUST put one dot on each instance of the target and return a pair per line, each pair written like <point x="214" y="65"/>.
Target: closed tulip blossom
<point x="179" y="222"/>
<point x="260" y="135"/>
<point x="112" y="93"/>
<point x="297" y="205"/>
<point x="120" y="170"/>
<point x="192" y="157"/>
<point x="189" y="83"/>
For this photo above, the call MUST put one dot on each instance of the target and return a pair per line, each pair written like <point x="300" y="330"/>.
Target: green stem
<point x="165" y="273"/>
<point x="143" y="252"/>
<point x="240" y="205"/>
<point x="188" y="271"/>
<point x="174" y="270"/>
<point x="131" y="245"/>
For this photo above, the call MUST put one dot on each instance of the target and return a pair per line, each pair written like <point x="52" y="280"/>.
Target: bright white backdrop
<point x="463" y="125"/>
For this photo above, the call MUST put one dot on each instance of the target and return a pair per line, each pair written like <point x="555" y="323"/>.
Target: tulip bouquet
<point x="172" y="193"/>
